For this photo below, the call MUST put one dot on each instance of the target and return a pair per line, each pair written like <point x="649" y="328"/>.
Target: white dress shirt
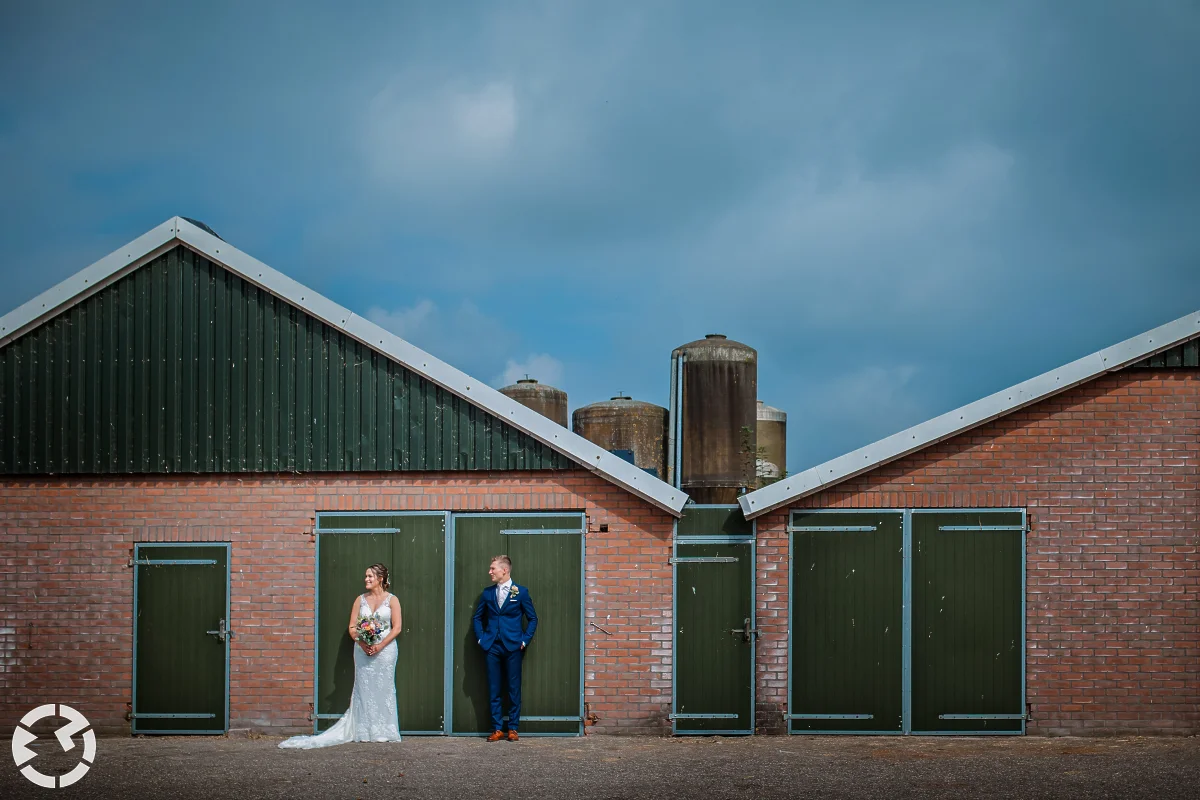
<point x="502" y="592"/>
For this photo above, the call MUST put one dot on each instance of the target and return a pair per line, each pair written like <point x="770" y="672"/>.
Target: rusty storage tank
<point x="541" y="397"/>
<point x="717" y="390"/>
<point x="772" y="444"/>
<point x="623" y="423"/>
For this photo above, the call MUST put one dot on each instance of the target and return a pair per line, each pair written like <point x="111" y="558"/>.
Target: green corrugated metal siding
<point x="1181" y="355"/>
<point x="182" y="366"/>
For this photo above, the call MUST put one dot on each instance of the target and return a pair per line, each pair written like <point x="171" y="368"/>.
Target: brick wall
<point x="65" y="544"/>
<point x="1109" y="472"/>
<point x="1110" y="475"/>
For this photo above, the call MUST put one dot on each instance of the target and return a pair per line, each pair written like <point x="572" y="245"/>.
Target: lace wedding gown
<point x="372" y="713"/>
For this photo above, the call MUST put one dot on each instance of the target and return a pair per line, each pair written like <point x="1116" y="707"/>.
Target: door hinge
<point x="981" y="716"/>
<point x="702" y="716"/>
<point x="702" y="560"/>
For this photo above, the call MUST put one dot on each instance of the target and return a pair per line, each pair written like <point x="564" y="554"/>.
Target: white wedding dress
<point x="372" y="713"/>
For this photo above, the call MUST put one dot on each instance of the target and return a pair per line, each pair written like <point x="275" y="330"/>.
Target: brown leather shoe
<point x="512" y="736"/>
<point x="496" y="736"/>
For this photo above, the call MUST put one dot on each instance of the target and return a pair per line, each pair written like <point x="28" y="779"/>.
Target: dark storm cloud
<point x="902" y="206"/>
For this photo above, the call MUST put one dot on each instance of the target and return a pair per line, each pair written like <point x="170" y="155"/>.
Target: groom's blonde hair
<point x="502" y="559"/>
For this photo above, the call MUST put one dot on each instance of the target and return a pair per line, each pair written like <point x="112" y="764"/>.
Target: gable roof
<point x="177" y="231"/>
<point x="972" y="415"/>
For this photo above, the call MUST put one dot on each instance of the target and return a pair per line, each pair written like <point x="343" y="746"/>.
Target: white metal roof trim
<point x="449" y="378"/>
<point x="120" y="261"/>
<point x="84" y="283"/>
<point x="969" y="416"/>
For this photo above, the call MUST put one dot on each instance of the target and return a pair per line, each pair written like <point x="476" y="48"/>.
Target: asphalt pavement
<point x="598" y="767"/>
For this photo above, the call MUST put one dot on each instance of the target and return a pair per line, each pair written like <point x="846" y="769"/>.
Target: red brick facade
<point x="65" y="545"/>
<point x="1110" y="475"/>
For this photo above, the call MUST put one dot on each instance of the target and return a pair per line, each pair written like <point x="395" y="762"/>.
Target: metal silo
<point x="772" y="444"/>
<point x="541" y="397"/>
<point x="623" y="423"/>
<point x="714" y="429"/>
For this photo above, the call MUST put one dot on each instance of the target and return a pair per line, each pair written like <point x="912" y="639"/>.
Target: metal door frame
<point x="1024" y="595"/>
<point x="906" y="616"/>
<point x="317" y="531"/>
<point x="751" y="539"/>
<point x="228" y="638"/>
<point x="450" y="552"/>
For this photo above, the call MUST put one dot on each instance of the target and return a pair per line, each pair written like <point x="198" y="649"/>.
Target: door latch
<point x="221" y="632"/>
<point x="746" y="631"/>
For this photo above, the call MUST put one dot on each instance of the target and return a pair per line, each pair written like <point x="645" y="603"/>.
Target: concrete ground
<point x="620" y="767"/>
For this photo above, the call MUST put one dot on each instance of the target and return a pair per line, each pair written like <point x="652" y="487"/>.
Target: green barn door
<point x="547" y="555"/>
<point x="412" y="546"/>
<point x="714" y="637"/>
<point x="968" y="622"/>
<point x="847" y="622"/>
<point x="181" y="638"/>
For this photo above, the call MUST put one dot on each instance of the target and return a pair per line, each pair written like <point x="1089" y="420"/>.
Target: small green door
<point x="714" y="636"/>
<point x="181" y="638"/>
<point x="847" y="622"/>
<point x="412" y="547"/>
<point x="968" y="633"/>
<point x="547" y="555"/>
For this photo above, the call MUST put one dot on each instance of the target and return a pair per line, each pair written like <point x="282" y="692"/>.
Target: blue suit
<point x="501" y="635"/>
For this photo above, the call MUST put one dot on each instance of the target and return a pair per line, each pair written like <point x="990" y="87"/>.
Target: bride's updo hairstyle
<point x="381" y="572"/>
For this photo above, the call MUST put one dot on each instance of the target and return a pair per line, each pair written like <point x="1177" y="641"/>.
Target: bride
<point x="372" y="713"/>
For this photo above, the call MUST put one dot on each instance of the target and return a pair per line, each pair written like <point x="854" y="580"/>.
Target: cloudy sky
<point x="902" y="206"/>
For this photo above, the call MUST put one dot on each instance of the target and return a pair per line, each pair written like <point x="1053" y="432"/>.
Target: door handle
<point x="746" y="631"/>
<point x="221" y="632"/>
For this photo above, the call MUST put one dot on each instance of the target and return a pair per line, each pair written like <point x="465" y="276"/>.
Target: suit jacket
<point x="493" y="621"/>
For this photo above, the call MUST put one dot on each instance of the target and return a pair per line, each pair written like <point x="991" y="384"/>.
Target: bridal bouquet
<point x="370" y="630"/>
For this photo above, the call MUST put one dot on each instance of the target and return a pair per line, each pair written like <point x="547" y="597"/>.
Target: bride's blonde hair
<point x="381" y="572"/>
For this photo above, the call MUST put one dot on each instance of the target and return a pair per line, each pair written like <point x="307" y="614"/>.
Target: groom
<point x="498" y="630"/>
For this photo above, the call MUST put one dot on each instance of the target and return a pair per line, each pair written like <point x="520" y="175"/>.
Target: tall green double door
<point x="907" y="622"/>
<point x="439" y="568"/>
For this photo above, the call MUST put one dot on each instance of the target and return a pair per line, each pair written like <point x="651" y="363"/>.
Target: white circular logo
<point x="76" y="722"/>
